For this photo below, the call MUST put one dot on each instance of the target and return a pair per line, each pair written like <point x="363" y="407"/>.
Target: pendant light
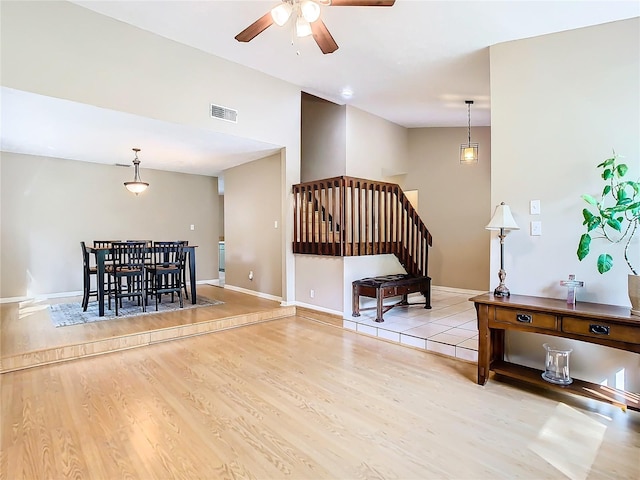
<point x="469" y="151"/>
<point x="137" y="186"/>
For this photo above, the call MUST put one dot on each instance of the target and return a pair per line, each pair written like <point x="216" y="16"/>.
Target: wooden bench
<point x="390" y="286"/>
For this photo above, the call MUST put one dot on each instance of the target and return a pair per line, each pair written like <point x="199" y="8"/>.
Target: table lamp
<point x="502" y="220"/>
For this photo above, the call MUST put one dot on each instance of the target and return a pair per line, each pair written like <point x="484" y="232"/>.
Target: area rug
<point x="65" y="314"/>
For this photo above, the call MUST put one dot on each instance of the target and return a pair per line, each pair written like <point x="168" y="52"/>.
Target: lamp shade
<point x="310" y="10"/>
<point x="502" y="218"/>
<point x="281" y="13"/>
<point x="303" y="28"/>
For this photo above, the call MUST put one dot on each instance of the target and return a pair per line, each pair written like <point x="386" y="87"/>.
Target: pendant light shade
<point x="137" y="186"/>
<point x="469" y="151"/>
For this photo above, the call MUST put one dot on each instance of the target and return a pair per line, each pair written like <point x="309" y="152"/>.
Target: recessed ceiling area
<point x="39" y="125"/>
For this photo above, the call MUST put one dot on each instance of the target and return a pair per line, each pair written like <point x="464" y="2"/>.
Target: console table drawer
<point x="526" y="319"/>
<point x="599" y="329"/>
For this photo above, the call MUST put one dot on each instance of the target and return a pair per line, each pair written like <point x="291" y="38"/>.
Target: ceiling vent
<point x="224" y="113"/>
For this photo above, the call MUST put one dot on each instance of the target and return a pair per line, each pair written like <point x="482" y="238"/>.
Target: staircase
<point x="347" y="216"/>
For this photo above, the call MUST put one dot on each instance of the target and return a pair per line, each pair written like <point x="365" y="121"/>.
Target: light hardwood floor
<point x="294" y="398"/>
<point x="29" y="337"/>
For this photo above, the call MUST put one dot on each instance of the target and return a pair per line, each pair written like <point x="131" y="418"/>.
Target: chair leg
<point x="85" y="294"/>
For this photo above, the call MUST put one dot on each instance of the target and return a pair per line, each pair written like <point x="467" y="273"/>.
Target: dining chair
<point x="87" y="271"/>
<point x="167" y="270"/>
<point x="128" y="263"/>
<point x="184" y="267"/>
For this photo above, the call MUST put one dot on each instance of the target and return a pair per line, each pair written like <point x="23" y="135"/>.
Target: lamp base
<point x="501" y="291"/>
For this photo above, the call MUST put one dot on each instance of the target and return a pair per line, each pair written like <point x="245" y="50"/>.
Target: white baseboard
<point x="458" y="290"/>
<point x="253" y="292"/>
<point x="46" y="296"/>
<point x="319" y="309"/>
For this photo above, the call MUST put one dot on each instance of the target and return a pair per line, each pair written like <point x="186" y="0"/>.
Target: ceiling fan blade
<point x="322" y="37"/>
<point x="362" y="3"/>
<point x="256" y="28"/>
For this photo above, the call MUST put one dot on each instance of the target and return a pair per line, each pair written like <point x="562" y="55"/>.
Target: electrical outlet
<point x="251" y="275"/>
<point x="193" y="227"/>
<point x="312" y="293"/>
<point x="275" y="224"/>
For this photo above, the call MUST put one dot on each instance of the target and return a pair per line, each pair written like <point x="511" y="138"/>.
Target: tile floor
<point x="449" y="328"/>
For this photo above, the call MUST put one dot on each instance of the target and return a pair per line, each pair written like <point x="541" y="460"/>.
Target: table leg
<point x="100" y="271"/>
<point x="484" y="344"/>
<point x="192" y="274"/>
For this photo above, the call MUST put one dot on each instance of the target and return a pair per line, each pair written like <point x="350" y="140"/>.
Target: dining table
<point x="101" y="254"/>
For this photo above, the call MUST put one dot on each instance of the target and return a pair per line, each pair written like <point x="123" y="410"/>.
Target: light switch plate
<point x="536" y="229"/>
<point x="534" y="207"/>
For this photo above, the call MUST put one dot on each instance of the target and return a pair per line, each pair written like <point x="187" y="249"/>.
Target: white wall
<point x="559" y="105"/>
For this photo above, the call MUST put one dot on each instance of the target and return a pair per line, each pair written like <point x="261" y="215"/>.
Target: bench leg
<point x="379" y="299"/>
<point x="355" y="302"/>
<point x="427" y="295"/>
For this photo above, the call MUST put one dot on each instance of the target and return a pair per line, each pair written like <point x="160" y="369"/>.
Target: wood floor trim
<point x="125" y="342"/>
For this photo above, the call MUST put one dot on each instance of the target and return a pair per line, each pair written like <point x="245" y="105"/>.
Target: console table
<point x="607" y="325"/>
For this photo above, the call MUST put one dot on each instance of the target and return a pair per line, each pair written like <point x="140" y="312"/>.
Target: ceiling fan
<point x="306" y="15"/>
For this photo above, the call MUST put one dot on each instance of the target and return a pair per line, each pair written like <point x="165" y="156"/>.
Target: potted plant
<point x="615" y="218"/>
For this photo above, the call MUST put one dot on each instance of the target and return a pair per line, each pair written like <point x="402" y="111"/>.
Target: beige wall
<point x="253" y="203"/>
<point x="323" y="139"/>
<point x="454" y="201"/>
<point x="559" y="105"/>
<point x="62" y="50"/>
<point x="49" y="205"/>
<point x="376" y="148"/>
<point x="323" y="275"/>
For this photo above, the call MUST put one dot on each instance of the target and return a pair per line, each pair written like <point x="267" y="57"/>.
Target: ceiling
<point x="413" y="64"/>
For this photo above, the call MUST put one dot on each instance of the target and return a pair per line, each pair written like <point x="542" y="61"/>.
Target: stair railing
<point x="347" y="216"/>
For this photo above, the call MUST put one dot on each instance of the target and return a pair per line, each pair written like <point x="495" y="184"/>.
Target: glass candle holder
<point x="557" y="365"/>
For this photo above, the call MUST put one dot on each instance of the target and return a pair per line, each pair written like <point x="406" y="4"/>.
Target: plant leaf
<point x="622" y="194"/>
<point x="621" y="170"/>
<point x="594" y="222"/>
<point x="607" y="162"/>
<point x="583" y="246"/>
<point x="589" y="199"/>
<point x="607" y="174"/>
<point x="607" y="189"/>
<point x="605" y="262"/>
<point x="615" y="224"/>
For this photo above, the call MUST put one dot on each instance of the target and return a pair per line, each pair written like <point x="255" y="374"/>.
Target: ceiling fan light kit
<point x="307" y="19"/>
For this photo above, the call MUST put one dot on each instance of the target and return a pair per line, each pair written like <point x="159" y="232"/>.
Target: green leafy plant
<point x="615" y="217"/>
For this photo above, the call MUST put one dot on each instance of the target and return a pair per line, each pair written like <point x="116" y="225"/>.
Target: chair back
<point x="168" y="254"/>
<point x="105" y="244"/>
<point x="85" y="258"/>
<point x="129" y="256"/>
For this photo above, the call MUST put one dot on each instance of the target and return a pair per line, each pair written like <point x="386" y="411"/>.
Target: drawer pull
<point x="523" y="318"/>
<point x="598" y="329"/>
